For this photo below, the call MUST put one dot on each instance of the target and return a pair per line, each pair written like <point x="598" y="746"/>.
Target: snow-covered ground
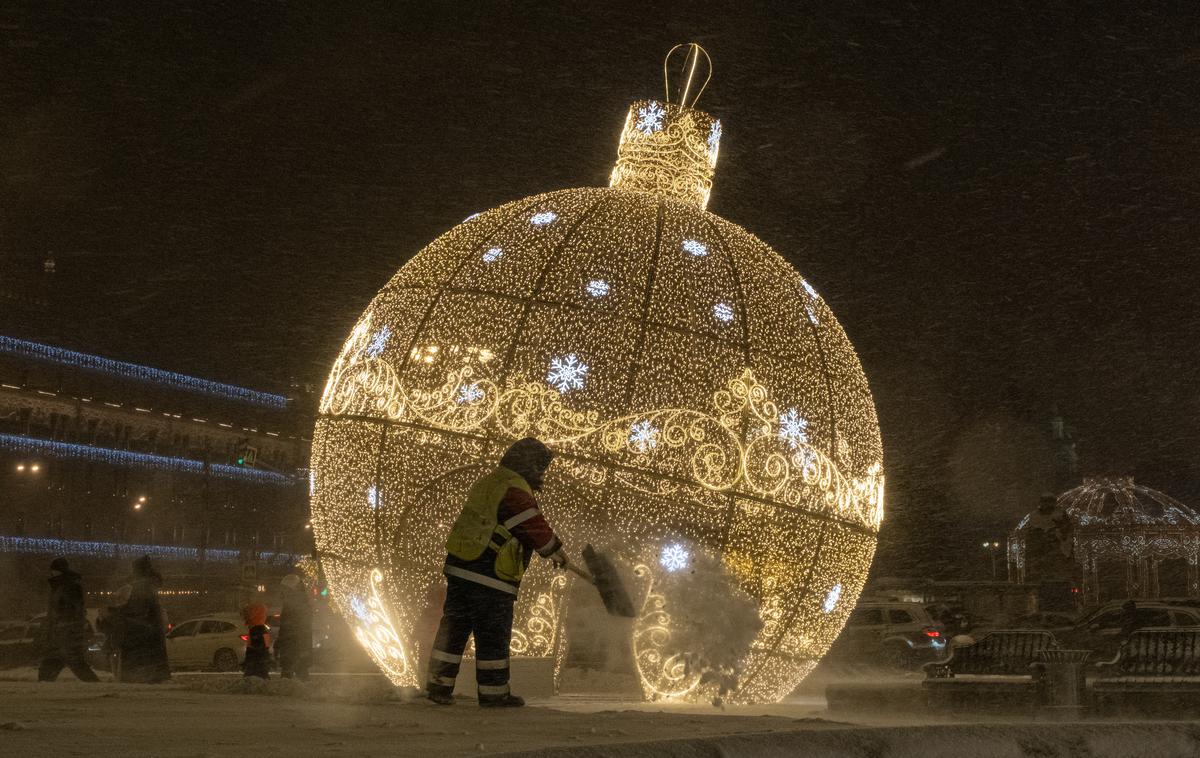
<point x="221" y="715"/>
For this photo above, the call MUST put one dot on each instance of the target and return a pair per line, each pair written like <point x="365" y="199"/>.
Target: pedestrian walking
<point x="293" y="641"/>
<point x="258" y="644"/>
<point x="142" y="648"/>
<point x="64" y="633"/>
<point x="489" y="547"/>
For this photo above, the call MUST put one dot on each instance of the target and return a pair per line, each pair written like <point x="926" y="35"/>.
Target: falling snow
<point x="650" y="118"/>
<point x="567" y="373"/>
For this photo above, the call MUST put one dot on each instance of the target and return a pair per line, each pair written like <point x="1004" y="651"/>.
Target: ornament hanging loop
<point x="691" y="62"/>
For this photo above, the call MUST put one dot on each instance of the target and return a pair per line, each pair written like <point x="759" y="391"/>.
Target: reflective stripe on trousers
<point x="485" y="613"/>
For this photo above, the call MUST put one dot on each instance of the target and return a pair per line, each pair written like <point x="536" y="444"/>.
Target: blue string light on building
<point x="51" y="546"/>
<point x="136" y="372"/>
<point x="50" y="448"/>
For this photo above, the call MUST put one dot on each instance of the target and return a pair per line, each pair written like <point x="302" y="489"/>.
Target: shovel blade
<point x="608" y="582"/>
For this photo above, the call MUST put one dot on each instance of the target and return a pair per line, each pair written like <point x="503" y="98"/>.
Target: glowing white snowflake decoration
<point x="597" y="288"/>
<point x="793" y="428"/>
<point x="674" y="557"/>
<point x="831" y="600"/>
<point x="567" y="373"/>
<point x="312" y="483"/>
<point x="643" y="436"/>
<point x="492" y="255"/>
<point x="650" y="118"/>
<point x="373" y="499"/>
<point x="379" y="341"/>
<point x="361" y="610"/>
<point x="695" y="247"/>
<point x="543" y="218"/>
<point x="714" y="138"/>
<point x="723" y="312"/>
<point x="470" y="393"/>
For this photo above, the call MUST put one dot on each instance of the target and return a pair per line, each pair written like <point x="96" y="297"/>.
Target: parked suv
<point x="891" y="634"/>
<point x="1101" y="630"/>
<point x="216" y="641"/>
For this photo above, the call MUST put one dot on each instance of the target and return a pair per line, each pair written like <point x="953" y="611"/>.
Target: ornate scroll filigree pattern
<point x="668" y="153"/>
<point x="538" y="635"/>
<point x="376" y="632"/>
<point x="663" y="672"/>
<point x="360" y="385"/>
<point x="688" y="448"/>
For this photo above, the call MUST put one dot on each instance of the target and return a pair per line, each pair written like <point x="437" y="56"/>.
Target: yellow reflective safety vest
<point x="477" y="530"/>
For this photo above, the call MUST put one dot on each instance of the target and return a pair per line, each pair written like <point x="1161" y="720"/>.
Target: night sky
<point x="1001" y="207"/>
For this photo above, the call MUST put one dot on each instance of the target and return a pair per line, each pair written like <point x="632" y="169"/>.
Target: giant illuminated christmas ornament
<point x="697" y="390"/>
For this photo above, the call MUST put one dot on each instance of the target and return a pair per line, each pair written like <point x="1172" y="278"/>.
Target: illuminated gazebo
<point x="1121" y="535"/>
<point x="699" y="394"/>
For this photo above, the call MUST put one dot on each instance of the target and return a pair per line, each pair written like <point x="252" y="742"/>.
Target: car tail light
<point x="245" y="638"/>
<point x="931" y="632"/>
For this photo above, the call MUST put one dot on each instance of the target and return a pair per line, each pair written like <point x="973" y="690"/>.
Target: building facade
<point x="106" y="460"/>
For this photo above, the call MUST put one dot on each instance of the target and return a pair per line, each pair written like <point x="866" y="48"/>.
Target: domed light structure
<point x="697" y="391"/>
<point x="1117" y="524"/>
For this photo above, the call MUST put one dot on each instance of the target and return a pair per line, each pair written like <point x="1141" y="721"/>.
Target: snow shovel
<point x="603" y="576"/>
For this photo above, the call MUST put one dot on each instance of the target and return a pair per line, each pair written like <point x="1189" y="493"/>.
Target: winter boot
<point x="502" y="701"/>
<point x="440" y="698"/>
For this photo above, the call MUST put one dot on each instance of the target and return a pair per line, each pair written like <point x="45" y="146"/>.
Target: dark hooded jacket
<point x="143" y="642"/>
<point x="65" y="626"/>
<point x="518" y="513"/>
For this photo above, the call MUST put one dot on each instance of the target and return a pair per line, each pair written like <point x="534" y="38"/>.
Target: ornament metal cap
<point x="671" y="148"/>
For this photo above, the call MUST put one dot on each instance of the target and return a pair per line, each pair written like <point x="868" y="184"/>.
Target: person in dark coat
<point x="293" y="641"/>
<point x="258" y="644"/>
<point x="143" y="644"/>
<point x="64" y="633"/>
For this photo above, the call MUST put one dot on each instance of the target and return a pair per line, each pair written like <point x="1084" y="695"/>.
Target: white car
<point x="217" y="641"/>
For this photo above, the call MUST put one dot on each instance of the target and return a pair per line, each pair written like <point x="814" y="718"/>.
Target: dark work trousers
<point x="73" y="658"/>
<point x="488" y="614"/>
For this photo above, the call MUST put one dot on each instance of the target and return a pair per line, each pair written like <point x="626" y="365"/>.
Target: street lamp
<point x="992" y="547"/>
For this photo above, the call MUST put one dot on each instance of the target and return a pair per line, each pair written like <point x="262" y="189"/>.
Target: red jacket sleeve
<point x="520" y="515"/>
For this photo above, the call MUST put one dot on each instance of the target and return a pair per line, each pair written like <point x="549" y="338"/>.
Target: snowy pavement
<point x="213" y="715"/>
